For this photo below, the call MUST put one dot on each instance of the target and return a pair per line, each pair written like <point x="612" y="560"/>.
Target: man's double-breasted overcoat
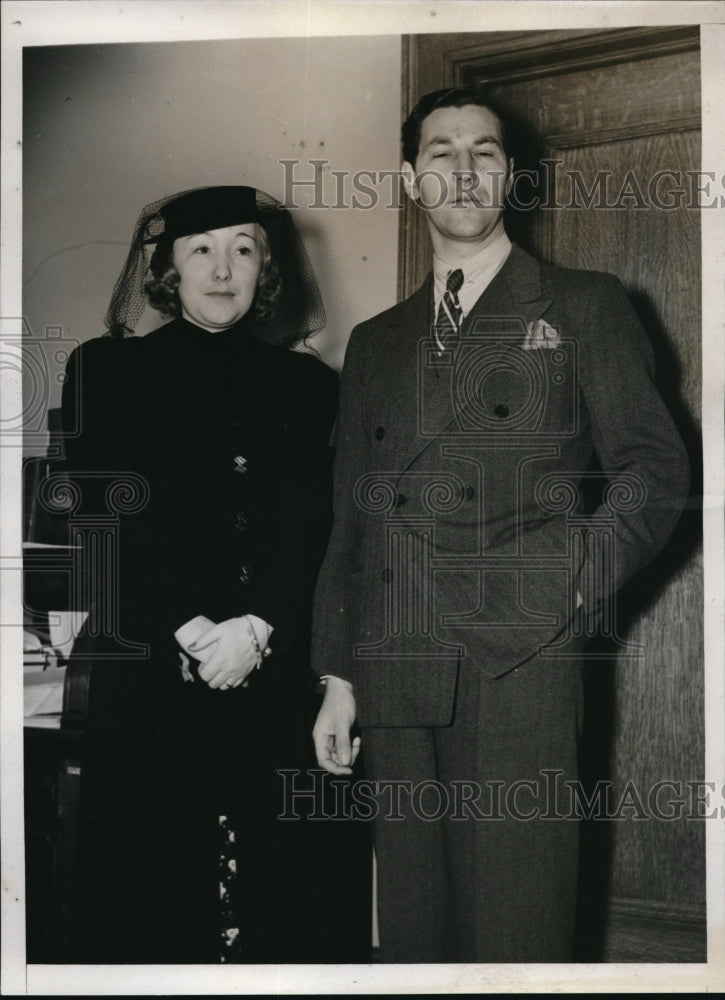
<point x="460" y="551"/>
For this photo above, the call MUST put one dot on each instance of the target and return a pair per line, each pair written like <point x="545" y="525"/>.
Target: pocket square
<point x="539" y="335"/>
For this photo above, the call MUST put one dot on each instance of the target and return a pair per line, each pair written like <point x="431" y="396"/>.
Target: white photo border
<point x="69" y="22"/>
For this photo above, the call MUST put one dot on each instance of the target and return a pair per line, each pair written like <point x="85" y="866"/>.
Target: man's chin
<point x="473" y="233"/>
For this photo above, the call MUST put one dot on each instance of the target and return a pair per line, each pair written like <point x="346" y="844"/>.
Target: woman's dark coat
<point x="223" y="440"/>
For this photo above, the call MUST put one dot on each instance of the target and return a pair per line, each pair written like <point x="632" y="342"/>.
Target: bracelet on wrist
<point x="262" y="651"/>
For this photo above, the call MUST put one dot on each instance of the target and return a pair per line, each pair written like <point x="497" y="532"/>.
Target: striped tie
<point x="448" y="320"/>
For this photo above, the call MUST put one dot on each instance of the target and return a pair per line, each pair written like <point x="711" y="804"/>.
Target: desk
<point x="53" y="758"/>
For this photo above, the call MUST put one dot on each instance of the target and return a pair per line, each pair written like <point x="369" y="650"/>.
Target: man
<point x="463" y="573"/>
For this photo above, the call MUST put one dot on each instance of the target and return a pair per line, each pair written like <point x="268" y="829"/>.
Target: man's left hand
<point x="331" y="732"/>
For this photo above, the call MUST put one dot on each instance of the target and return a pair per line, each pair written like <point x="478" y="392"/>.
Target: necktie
<point x="448" y="320"/>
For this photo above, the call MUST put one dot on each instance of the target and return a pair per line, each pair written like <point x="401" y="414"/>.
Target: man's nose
<point x="465" y="163"/>
<point x="465" y="174"/>
<point x="466" y="180"/>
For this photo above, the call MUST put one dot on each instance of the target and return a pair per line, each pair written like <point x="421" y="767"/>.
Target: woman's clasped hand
<point x="228" y="653"/>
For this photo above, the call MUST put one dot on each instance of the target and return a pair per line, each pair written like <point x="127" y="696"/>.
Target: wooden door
<point x="614" y="117"/>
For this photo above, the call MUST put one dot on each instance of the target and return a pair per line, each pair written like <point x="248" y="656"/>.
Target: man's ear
<point x="510" y="178"/>
<point x="408" y="174"/>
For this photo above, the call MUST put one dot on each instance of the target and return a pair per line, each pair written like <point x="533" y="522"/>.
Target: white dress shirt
<point x="478" y="272"/>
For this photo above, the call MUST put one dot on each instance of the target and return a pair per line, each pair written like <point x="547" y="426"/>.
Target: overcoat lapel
<point x="510" y="304"/>
<point x="396" y="396"/>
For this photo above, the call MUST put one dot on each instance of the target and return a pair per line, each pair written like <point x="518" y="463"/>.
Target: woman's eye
<point x="244" y="250"/>
<point x="201" y="249"/>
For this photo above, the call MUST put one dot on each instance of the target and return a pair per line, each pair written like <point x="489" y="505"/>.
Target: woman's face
<point x="219" y="272"/>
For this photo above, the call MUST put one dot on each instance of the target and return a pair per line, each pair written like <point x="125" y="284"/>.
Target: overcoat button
<point x="379" y="433"/>
<point x="501" y="410"/>
<point x="386" y="576"/>
<point x="240" y="522"/>
<point x="469" y="493"/>
<point x="245" y="575"/>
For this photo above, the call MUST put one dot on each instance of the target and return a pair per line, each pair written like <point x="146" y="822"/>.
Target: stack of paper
<point x="42" y="686"/>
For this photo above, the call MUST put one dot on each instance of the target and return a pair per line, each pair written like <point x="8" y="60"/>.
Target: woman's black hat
<point x="205" y="209"/>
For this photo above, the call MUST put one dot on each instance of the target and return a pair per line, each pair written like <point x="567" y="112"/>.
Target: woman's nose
<point x="222" y="270"/>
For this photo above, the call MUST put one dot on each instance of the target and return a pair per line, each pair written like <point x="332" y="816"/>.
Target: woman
<point x="200" y="688"/>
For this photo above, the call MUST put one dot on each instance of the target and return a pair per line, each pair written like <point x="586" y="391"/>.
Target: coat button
<point x="245" y="575"/>
<point x="501" y="411"/>
<point x="469" y="493"/>
<point x="240" y="464"/>
<point x="386" y="576"/>
<point x="240" y="522"/>
<point x="379" y="433"/>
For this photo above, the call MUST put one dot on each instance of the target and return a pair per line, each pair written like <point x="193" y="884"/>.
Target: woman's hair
<point x="162" y="281"/>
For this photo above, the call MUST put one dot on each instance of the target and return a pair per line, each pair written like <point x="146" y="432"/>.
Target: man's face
<point x="461" y="173"/>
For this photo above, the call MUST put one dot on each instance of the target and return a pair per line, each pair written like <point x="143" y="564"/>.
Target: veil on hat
<point x="299" y="311"/>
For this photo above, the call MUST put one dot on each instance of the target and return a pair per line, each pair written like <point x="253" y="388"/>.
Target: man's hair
<point x="451" y="97"/>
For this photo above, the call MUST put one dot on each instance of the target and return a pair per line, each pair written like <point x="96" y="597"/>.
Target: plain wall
<point x="110" y="128"/>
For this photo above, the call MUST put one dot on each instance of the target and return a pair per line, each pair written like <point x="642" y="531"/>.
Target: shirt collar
<point x="478" y="272"/>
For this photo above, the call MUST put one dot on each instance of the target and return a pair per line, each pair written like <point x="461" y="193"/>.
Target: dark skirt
<point x="182" y="855"/>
